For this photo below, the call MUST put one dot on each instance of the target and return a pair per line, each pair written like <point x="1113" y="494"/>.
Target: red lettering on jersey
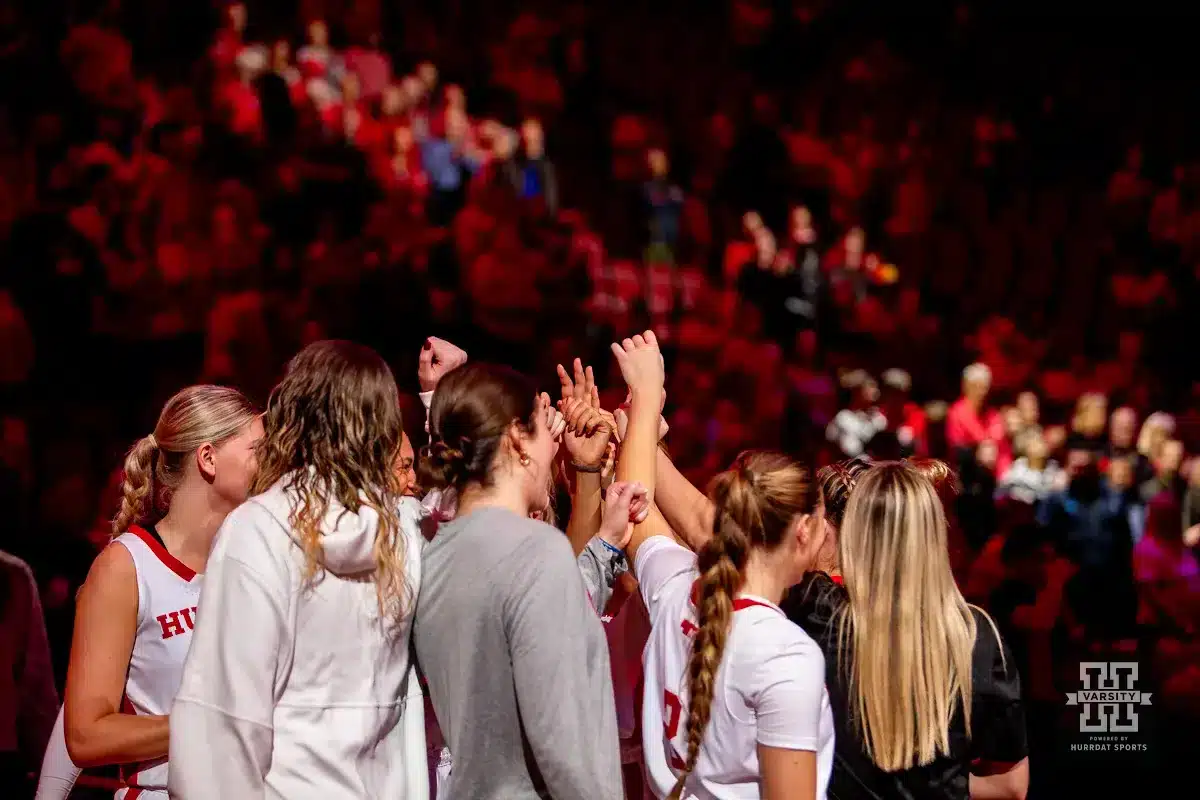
<point x="171" y="625"/>
<point x="187" y="617"/>
<point x="673" y="711"/>
<point x="688" y="627"/>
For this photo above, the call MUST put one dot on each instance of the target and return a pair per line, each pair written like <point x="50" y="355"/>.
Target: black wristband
<point x="581" y="468"/>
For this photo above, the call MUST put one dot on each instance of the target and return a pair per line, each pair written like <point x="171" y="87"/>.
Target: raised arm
<point x="641" y="365"/>
<point x="106" y="620"/>
<point x="437" y="358"/>
<point x="586" y="440"/>
<point x="687" y="509"/>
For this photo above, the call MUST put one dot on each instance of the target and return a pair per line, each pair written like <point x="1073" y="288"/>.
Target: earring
<point x="524" y="460"/>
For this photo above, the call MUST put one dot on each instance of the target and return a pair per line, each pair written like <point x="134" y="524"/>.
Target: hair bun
<point x="445" y="464"/>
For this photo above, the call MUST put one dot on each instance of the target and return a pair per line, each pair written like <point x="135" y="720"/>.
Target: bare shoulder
<point x="112" y="574"/>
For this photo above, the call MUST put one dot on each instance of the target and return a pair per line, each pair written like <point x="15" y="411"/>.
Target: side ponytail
<point x="755" y="502"/>
<point x="137" y="485"/>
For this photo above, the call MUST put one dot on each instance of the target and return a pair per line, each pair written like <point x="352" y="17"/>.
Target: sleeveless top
<point x="168" y="593"/>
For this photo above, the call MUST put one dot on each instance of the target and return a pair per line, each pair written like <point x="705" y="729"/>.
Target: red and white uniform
<point x="770" y="687"/>
<point x="168" y="593"/>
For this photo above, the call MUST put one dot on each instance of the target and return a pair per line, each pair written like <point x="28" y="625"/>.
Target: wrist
<point x="588" y="469"/>
<point x="609" y="546"/>
<point x="646" y="393"/>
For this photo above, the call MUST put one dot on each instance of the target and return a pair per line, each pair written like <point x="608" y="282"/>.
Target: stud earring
<point x="524" y="460"/>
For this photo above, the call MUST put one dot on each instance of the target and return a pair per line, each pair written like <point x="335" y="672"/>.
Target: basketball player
<point x="735" y="703"/>
<point x="136" y="610"/>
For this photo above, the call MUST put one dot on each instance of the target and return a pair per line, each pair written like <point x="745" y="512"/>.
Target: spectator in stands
<point x="1166" y="477"/>
<point x="1167" y="572"/>
<point x="532" y="175"/>
<point x="664" y="207"/>
<point x="1033" y="476"/>
<point x="28" y="701"/>
<point x="1156" y="430"/>
<point x="968" y="422"/>
<point x="904" y="418"/>
<point x="859" y="422"/>
<point x="1091" y="519"/>
<point x="1122" y="433"/>
<point x="1087" y="424"/>
<point x="1029" y="413"/>
<point x="449" y="158"/>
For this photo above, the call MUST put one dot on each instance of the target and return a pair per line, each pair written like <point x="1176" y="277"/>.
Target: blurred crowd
<point x="822" y="218"/>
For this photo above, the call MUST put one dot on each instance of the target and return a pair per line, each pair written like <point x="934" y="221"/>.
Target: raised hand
<point x="624" y="504"/>
<point x="588" y="432"/>
<point x="437" y="358"/>
<point x="556" y="424"/>
<point x="641" y="363"/>
<point x="580" y="386"/>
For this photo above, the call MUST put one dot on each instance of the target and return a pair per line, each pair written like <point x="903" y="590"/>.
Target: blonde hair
<point x="756" y="501"/>
<point x="333" y="433"/>
<point x="907" y="630"/>
<point x="1155" y="431"/>
<point x="154" y="466"/>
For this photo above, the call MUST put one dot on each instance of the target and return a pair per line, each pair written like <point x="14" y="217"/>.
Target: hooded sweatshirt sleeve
<point x="221" y="724"/>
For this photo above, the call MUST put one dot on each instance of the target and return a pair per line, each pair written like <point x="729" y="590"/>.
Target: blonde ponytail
<point x="137" y="484"/>
<point x="155" y="464"/>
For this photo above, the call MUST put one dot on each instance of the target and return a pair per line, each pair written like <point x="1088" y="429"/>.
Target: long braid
<point x="720" y="562"/>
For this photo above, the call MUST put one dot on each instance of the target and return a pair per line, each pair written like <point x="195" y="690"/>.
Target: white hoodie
<point x="294" y="691"/>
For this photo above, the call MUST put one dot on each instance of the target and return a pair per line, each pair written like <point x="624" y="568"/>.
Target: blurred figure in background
<point x="858" y="423"/>
<point x="1122" y="433"/>
<point x="968" y="422"/>
<point x="28" y="700"/>
<point x="664" y="208"/>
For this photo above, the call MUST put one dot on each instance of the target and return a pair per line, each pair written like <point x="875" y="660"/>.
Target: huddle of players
<point x="806" y="637"/>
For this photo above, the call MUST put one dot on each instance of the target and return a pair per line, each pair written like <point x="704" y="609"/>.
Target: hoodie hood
<point x="347" y="537"/>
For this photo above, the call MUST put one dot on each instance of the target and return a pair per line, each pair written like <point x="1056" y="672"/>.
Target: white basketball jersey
<point x="769" y="688"/>
<point x="168" y="593"/>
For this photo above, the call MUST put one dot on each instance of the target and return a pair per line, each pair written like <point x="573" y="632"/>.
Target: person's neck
<point x="764" y="578"/>
<point x="508" y="495"/>
<point x="191" y="524"/>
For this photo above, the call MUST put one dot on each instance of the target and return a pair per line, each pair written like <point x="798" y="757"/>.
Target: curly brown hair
<point x="332" y="433"/>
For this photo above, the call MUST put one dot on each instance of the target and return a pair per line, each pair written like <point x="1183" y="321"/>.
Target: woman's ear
<point x="516" y="441"/>
<point x="206" y="461"/>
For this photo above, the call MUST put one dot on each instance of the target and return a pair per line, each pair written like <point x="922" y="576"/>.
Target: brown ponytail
<point x="137" y="484"/>
<point x="755" y="502"/>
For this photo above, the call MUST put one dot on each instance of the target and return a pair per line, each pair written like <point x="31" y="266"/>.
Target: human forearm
<point x="117" y="739"/>
<point x="585" y="510"/>
<point x="1011" y="784"/>
<point x="688" y="511"/>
